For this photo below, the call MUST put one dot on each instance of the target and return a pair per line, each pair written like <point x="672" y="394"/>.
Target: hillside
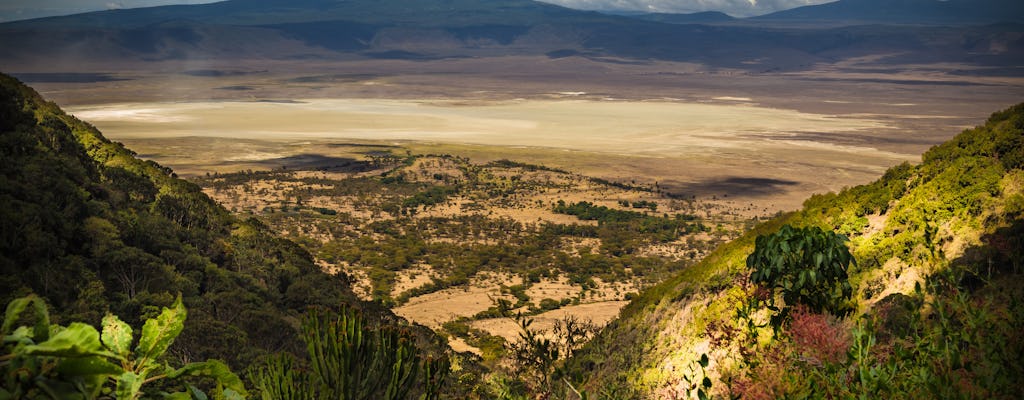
<point x="92" y="229"/>
<point x="936" y="310"/>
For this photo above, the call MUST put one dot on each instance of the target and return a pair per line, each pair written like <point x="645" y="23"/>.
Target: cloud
<point x="737" y="8"/>
<point x="115" y="6"/>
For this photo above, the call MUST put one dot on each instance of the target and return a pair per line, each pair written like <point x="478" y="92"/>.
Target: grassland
<point x="441" y="239"/>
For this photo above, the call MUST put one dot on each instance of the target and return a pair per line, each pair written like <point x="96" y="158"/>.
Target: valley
<point x="511" y="199"/>
<point x="442" y="240"/>
<point x="321" y="170"/>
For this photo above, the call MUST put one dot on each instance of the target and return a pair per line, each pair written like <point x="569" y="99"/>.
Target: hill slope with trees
<point x="930" y="306"/>
<point x="92" y="229"/>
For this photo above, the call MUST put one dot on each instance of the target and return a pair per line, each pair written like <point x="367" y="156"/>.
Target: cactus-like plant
<point x="351" y="360"/>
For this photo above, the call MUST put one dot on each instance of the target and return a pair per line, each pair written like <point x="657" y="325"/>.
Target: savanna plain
<point x="717" y="146"/>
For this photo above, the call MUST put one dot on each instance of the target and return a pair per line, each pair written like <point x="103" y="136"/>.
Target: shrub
<point x="806" y="266"/>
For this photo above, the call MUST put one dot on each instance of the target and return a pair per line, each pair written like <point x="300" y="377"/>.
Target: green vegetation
<point x="351" y="360"/>
<point x="76" y="362"/>
<point x="935" y="292"/>
<point x="807" y="266"/>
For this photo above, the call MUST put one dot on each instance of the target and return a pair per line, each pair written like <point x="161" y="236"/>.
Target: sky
<point x="11" y="10"/>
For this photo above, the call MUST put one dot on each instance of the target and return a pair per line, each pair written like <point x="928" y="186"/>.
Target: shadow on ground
<point x="730" y="186"/>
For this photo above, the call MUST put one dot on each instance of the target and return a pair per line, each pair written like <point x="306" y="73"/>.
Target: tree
<point x="803" y="266"/>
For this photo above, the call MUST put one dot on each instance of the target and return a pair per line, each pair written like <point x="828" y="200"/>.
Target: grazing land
<point x="442" y="240"/>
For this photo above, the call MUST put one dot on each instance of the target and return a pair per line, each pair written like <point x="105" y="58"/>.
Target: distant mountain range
<point x="953" y="12"/>
<point x="434" y="29"/>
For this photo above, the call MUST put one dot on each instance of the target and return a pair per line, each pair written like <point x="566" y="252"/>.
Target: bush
<point x="806" y="266"/>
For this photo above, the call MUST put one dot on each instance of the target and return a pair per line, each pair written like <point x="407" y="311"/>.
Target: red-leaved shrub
<point x="820" y="337"/>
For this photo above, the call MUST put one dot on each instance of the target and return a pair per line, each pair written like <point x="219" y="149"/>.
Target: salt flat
<point x="681" y="144"/>
<point x="631" y="127"/>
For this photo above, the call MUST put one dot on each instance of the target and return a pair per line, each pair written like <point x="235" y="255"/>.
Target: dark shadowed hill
<point x="92" y="229"/>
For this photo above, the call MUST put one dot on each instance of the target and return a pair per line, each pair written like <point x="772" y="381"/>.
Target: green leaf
<point x="214" y="369"/>
<point x="117" y="335"/>
<point x="17" y="306"/>
<point x="81" y="366"/>
<point x="704" y="360"/>
<point x="128" y="386"/>
<point x="77" y="340"/>
<point x="14" y="310"/>
<point x="158" y="333"/>
<point x="178" y="396"/>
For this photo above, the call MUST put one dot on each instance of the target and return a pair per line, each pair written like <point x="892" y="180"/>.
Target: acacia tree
<point x="803" y="266"/>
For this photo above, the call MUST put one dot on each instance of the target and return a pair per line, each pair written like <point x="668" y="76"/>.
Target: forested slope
<point x="93" y="229"/>
<point x="937" y="295"/>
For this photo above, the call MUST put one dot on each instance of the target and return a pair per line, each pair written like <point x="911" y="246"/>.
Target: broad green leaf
<point x="178" y="396"/>
<point x="158" y="333"/>
<point x="214" y="369"/>
<point x="77" y="340"/>
<point x="128" y="386"/>
<point x="117" y="335"/>
<point x="704" y="360"/>
<point x="95" y="365"/>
